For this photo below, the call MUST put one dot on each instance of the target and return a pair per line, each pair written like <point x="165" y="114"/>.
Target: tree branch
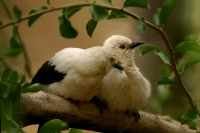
<point x="41" y="106"/>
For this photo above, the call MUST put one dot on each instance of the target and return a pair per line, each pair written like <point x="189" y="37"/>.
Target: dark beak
<point x="135" y="44"/>
<point x="118" y="66"/>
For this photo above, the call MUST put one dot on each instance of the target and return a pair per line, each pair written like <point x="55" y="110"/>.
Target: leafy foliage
<point x="167" y="9"/>
<point x="163" y="55"/>
<point x="71" y="11"/>
<point x="91" y="25"/>
<point x="14" y="48"/>
<point x="10" y="92"/>
<point x="54" y="125"/>
<point x="191" y="116"/>
<point x="108" y="1"/>
<point x="11" y="87"/>
<point x="31" y="20"/>
<point x="98" y="12"/>
<point x="166" y="80"/>
<point x="17" y="13"/>
<point x="146" y="48"/>
<point x="117" y="14"/>
<point x="192" y="59"/>
<point x="156" y="17"/>
<point x="137" y="3"/>
<point x="141" y="28"/>
<point x="187" y="46"/>
<point x="66" y="28"/>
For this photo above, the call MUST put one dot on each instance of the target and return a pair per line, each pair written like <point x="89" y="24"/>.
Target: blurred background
<point x="43" y="39"/>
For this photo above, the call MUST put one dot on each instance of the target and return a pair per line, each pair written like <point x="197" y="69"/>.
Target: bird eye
<point x="122" y="46"/>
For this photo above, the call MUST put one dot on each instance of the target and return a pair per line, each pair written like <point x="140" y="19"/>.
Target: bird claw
<point x="99" y="104"/>
<point x="127" y="113"/>
<point x="136" y="114"/>
<point x="74" y="102"/>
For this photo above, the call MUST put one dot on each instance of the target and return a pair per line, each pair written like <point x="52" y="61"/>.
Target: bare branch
<point x="40" y="107"/>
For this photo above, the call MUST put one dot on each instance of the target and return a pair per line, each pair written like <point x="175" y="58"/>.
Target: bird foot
<point x="99" y="104"/>
<point x="74" y="102"/>
<point x="134" y="113"/>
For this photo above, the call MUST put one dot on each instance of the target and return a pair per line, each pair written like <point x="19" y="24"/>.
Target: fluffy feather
<point x="127" y="89"/>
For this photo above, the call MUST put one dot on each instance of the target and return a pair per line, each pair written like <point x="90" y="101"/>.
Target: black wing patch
<point x="47" y="75"/>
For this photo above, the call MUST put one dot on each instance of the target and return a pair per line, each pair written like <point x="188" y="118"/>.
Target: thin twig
<point x="27" y="65"/>
<point x="134" y="16"/>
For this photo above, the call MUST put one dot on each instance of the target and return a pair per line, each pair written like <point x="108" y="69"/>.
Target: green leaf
<point x="167" y="9"/>
<point x="180" y="66"/>
<point x="98" y="12"/>
<point x="31" y="20"/>
<point x="11" y="52"/>
<point x="137" y="3"/>
<point x="191" y="37"/>
<point x="187" y="46"/>
<point x="11" y="130"/>
<point x="15" y="94"/>
<point x="163" y="55"/>
<point x="3" y="90"/>
<point x="32" y="88"/>
<point x="192" y="59"/>
<point x="14" y="44"/>
<point x="1" y="23"/>
<point x="6" y="108"/>
<point x="166" y="80"/>
<point x="23" y="77"/>
<point x="156" y="17"/>
<point x="91" y="25"/>
<point x="165" y="71"/>
<point x="13" y="77"/>
<point x="25" y="85"/>
<point x="193" y="126"/>
<point x="141" y="28"/>
<point x="190" y="116"/>
<point x="6" y="75"/>
<point x="108" y="1"/>
<point x="71" y="11"/>
<point x="17" y="13"/>
<point x="117" y="14"/>
<point x="146" y="48"/>
<point x="74" y="130"/>
<point x="54" y="125"/>
<point x="48" y="2"/>
<point x="66" y="28"/>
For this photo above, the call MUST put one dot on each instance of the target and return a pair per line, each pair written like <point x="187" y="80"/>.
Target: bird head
<point x="121" y="45"/>
<point x="122" y="48"/>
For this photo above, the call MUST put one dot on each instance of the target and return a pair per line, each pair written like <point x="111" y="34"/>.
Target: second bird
<point x="125" y="90"/>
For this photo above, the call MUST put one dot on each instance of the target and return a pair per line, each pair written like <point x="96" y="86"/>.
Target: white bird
<point x="75" y="74"/>
<point x="124" y="90"/>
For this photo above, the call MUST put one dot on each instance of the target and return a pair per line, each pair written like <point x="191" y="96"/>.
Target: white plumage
<point x="127" y="89"/>
<point x="75" y="73"/>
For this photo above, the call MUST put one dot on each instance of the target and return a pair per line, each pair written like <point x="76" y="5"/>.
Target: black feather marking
<point x="47" y="75"/>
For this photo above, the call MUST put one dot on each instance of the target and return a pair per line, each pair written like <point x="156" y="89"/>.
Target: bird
<point x="124" y="90"/>
<point x="74" y="73"/>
